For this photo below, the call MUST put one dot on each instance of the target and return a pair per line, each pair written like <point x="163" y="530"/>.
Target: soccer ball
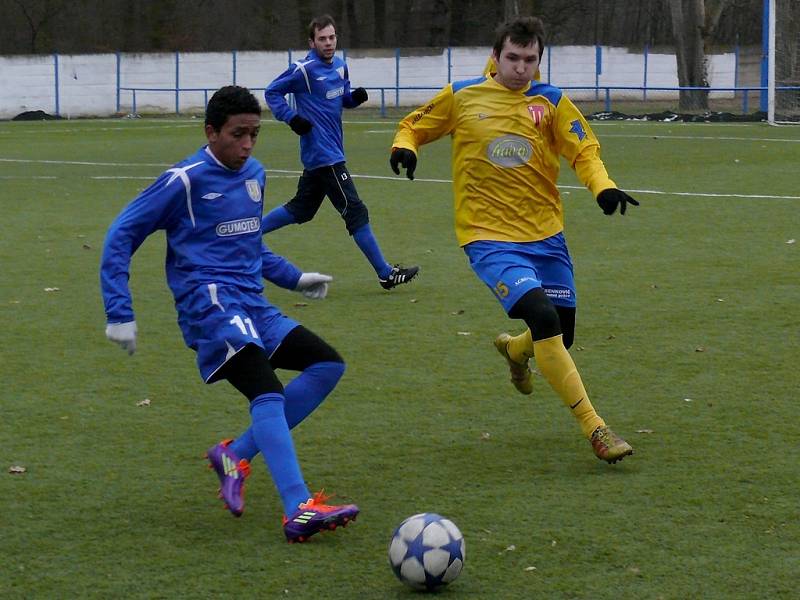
<point x="427" y="551"/>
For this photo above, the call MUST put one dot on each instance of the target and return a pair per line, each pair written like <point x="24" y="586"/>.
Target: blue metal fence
<point x="599" y="90"/>
<point x="606" y="93"/>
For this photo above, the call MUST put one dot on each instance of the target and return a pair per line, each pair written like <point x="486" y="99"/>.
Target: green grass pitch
<point x="687" y="341"/>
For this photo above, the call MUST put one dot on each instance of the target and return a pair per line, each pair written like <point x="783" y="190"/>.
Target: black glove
<point x="300" y="125"/>
<point x="405" y="158"/>
<point x="359" y="96"/>
<point x="608" y="200"/>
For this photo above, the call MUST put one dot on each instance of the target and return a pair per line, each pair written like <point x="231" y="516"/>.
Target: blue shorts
<point x="218" y="321"/>
<point x="512" y="269"/>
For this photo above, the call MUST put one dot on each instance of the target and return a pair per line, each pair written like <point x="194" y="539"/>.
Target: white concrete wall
<point x="87" y="84"/>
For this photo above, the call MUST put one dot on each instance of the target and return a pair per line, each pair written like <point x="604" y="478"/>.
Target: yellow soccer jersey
<point x="506" y="149"/>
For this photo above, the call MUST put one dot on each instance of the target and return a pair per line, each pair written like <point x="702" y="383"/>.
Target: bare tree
<point x="694" y="23"/>
<point x="82" y="26"/>
<point x="429" y="23"/>
<point x="37" y="13"/>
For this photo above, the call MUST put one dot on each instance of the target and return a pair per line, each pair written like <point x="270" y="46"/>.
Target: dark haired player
<point x="509" y="132"/>
<point x="210" y="206"/>
<point x="321" y="87"/>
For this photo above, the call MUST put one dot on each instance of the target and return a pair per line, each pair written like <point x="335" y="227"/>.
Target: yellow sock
<point x="559" y="369"/>
<point x="520" y="347"/>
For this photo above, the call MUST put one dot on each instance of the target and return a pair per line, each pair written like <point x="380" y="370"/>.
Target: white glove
<point x="123" y="334"/>
<point x="313" y="285"/>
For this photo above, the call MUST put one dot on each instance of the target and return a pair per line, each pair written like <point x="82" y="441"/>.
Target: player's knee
<point x="356" y="217"/>
<point x="300" y="212"/>
<point x="539" y="313"/>
<point x="566" y="314"/>
<point x="250" y="372"/>
<point x="330" y="371"/>
<point x="569" y="338"/>
<point x="338" y="369"/>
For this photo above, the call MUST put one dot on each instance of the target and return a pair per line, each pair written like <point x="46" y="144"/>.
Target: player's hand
<point x="313" y="285"/>
<point x="359" y="96"/>
<point x="406" y="159"/>
<point x="610" y="198"/>
<point x="300" y="125"/>
<point x="123" y="334"/>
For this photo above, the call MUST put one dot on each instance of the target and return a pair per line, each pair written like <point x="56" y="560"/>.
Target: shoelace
<point x="319" y="499"/>
<point x="605" y="437"/>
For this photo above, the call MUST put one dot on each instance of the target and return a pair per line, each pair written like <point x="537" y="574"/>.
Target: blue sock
<point x="276" y="218"/>
<point x="245" y="445"/>
<point x="307" y="391"/>
<point x="274" y="441"/>
<point x="366" y="241"/>
<point x="303" y="395"/>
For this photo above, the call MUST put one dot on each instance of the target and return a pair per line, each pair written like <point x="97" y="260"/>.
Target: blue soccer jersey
<point x="320" y="90"/>
<point x="215" y="257"/>
<point x="212" y="218"/>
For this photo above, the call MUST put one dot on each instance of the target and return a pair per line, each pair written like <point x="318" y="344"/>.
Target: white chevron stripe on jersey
<point x="180" y="173"/>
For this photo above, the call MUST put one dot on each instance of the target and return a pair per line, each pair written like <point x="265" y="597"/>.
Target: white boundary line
<point x="284" y="173"/>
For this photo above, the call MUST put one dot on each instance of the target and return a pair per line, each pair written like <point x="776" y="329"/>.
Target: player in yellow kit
<point x="509" y="132"/>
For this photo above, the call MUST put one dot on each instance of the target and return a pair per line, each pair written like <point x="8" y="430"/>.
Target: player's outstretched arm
<point x="279" y="270"/>
<point x="610" y="198"/>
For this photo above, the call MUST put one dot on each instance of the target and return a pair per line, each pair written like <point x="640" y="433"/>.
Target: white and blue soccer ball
<point x="427" y="551"/>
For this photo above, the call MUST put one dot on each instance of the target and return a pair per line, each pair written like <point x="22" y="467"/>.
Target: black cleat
<point x="398" y="276"/>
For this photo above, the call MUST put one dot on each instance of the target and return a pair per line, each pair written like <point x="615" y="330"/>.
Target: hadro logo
<point x="509" y="151"/>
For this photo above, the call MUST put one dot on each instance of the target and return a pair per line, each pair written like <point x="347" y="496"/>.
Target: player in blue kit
<point x="210" y="206"/>
<point x="321" y="87"/>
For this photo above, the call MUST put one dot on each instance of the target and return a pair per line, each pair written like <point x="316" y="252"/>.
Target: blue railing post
<point x="646" y="53"/>
<point x="764" y="56"/>
<point x="177" y="83"/>
<point x="397" y="77"/>
<point x="383" y="102"/>
<point x="608" y="99"/>
<point x="133" y="106"/>
<point x="598" y="69"/>
<point x="119" y="81"/>
<point x="233" y="57"/>
<point x="55" y="81"/>
<point x="449" y="64"/>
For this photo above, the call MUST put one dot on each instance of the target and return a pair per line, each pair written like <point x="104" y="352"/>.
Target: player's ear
<point x="211" y="133"/>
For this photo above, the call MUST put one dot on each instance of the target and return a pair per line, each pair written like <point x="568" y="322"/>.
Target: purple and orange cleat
<point x="232" y="471"/>
<point x="314" y="515"/>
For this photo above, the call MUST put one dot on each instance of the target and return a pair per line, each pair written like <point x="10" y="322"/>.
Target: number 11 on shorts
<point x="245" y="325"/>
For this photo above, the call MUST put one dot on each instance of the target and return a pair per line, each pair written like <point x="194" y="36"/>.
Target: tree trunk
<point x="430" y="23"/>
<point x="688" y="24"/>
<point x="379" y="10"/>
